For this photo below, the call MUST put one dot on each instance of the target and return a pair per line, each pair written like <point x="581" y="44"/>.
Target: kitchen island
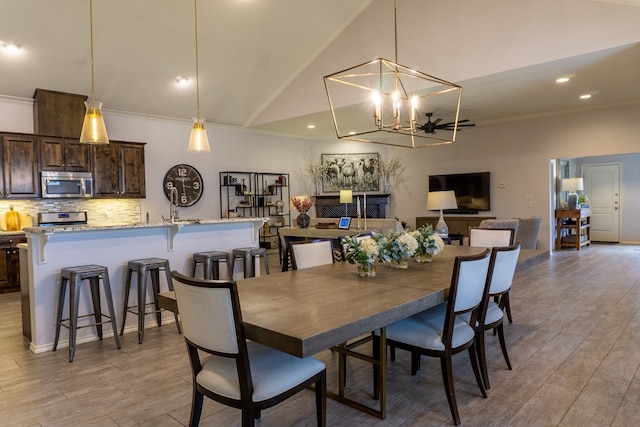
<point x="49" y="249"/>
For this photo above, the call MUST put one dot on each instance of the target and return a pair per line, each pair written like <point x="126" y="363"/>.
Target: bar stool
<point x="142" y="267"/>
<point x="210" y="263"/>
<point x="248" y="257"/>
<point x="75" y="277"/>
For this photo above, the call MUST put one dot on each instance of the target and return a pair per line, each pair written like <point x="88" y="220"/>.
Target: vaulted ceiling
<point x="261" y="62"/>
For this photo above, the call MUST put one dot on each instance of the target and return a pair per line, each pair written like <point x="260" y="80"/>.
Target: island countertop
<point x="178" y="223"/>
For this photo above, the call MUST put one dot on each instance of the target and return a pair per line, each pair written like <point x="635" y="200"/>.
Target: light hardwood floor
<point x="574" y="346"/>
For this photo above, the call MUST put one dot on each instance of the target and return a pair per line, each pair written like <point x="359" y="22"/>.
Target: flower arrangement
<point x="361" y="251"/>
<point x="429" y="242"/>
<point x="397" y="247"/>
<point x="303" y="203"/>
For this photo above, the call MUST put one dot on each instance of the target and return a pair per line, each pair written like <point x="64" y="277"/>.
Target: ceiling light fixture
<point x="382" y="102"/>
<point x="93" y="129"/>
<point x="585" y="96"/>
<point x="10" y="48"/>
<point x="182" y="81"/>
<point x="562" y="80"/>
<point x="198" y="141"/>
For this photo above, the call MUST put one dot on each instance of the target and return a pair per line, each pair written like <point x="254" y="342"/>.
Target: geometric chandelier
<point x="383" y="102"/>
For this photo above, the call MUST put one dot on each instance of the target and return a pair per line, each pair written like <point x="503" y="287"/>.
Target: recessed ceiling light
<point x="182" y="81"/>
<point x="352" y="133"/>
<point x="10" y="47"/>
<point x="311" y="126"/>
<point x="562" y="80"/>
<point x="585" y="96"/>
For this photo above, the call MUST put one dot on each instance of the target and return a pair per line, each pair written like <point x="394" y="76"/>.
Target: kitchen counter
<point x="51" y="248"/>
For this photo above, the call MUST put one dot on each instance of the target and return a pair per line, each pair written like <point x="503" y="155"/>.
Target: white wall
<point x="516" y="153"/>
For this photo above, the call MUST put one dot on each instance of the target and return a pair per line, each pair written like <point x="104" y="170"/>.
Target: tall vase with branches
<point x="388" y="170"/>
<point x="316" y="171"/>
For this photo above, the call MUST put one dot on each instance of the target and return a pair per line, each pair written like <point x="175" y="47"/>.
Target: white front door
<point x="602" y="186"/>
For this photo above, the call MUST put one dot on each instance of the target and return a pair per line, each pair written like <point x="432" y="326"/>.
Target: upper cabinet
<point x="63" y="154"/>
<point x="118" y="170"/>
<point x="20" y="166"/>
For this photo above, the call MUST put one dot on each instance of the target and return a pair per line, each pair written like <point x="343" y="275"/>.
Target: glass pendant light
<point x="93" y="129"/>
<point x="198" y="141"/>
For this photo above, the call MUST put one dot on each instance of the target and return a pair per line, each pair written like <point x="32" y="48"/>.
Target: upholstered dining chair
<point x="502" y="266"/>
<point x="528" y="230"/>
<point x="502" y="223"/>
<point x="440" y="331"/>
<point x="236" y="372"/>
<point x="490" y="237"/>
<point x="305" y="254"/>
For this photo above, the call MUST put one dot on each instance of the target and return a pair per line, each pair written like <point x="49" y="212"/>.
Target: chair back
<point x="210" y="314"/>
<point x="501" y="223"/>
<point x="528" y="230"/>
<point x="490" y="237"/>
<point x="305" y="254"/>
<point x="503" y="261"/>
<point x="468" y="281"/>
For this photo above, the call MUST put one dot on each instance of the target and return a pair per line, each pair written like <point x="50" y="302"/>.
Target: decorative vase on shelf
<point x="399" y="264"/>
<point x="422" y="258"/>
<point x="366" y="270"/>
<point x="303" y="220"/>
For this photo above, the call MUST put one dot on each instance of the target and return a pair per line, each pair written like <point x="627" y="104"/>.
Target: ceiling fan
<point x="432" y="126"/>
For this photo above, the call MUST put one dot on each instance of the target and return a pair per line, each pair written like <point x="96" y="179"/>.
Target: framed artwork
<point x="345" y="223"/>
<point x="357" y="172"/>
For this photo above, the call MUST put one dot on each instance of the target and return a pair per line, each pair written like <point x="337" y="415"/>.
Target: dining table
<point x="304" y="312"/>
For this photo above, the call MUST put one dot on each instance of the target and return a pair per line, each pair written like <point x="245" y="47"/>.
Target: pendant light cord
<point x="93" y="95"/>
<point x="395" y="29"/>
<point x="195" y="8"/>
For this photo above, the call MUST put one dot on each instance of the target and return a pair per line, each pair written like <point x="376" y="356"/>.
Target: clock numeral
<point x="196" y="185"/>
<point x="182" y="172"/>
<point x="184" y="199"/>
<point x="169" y="185"/>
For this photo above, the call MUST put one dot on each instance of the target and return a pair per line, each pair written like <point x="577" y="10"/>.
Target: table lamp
<point x="346" y="197"/>
<point x="439" y="200"/>
<point x="572" y="185"/>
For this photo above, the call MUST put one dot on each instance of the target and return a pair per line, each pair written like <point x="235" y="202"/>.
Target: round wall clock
<point x="187" y="180"/>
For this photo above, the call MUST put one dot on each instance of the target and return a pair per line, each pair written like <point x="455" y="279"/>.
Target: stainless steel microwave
<point x="66" y="184"/>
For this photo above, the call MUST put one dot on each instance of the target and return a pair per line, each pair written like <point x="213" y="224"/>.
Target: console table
<point x="456" y="224"/>
<point x="578" y="220"/>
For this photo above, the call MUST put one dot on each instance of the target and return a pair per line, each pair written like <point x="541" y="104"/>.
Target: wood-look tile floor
<point x="574" y="346"/>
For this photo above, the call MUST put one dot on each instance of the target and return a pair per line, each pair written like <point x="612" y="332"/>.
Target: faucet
<point x="173" y="205"/>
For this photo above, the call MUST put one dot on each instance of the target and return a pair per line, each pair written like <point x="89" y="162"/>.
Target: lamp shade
<point x="572" y="184"/>
<point x="346" y="196"/>
<point x="438" y="200"/>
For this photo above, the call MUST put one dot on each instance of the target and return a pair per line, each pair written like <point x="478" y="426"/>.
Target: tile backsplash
<point x="99" y="211"/>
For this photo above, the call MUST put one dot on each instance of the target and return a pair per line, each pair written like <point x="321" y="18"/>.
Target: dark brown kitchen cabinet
<point x="20" y="177"/>
<point x="119" y="170"/>
<point x="10" y="262"/>
<point x="64" y="154"/>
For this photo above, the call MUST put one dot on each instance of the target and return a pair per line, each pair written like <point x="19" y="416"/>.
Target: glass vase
<point x="303" y="220"/>
<point x="366" y="270"/>
<point x="399" y="264"/>
<point x="422" y="258"/>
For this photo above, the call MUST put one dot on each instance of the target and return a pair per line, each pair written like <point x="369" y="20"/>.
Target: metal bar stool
<point x="75" y="277"/>
<point x="210" y="263"/>
<point x="142" y="267"/>
<point x="248" y="257"/>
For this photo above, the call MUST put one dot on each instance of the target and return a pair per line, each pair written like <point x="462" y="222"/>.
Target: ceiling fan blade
<point x="436" y="121"/>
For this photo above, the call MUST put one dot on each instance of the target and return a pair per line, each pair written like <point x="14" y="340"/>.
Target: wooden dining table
<point x="304" y="312"/>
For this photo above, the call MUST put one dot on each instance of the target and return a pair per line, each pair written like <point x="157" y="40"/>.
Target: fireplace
<point x="330" y="206"/>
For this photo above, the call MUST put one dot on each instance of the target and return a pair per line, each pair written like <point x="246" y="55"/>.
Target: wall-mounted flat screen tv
<point x="473" y="190"/>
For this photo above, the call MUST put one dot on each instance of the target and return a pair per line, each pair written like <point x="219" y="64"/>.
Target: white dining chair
<point x="490" y="237"/>
<point x="306" y="254"/>
<point x="235" y="372"/>
<point x="440" y="331"/>
<point x="502" y="266"/>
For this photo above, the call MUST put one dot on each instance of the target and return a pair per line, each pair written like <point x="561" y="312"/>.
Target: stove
<point x="62" y="218"/>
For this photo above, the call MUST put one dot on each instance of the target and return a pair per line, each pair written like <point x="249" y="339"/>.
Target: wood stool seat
<point x="248" y="257"/>
<point x="141" y="267"/>
<point x="210" y="261"/>
<point x="74" y="276"/>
